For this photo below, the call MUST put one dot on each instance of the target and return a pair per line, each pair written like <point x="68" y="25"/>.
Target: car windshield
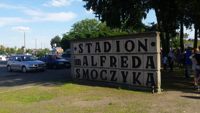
<point x="28" y="58"/>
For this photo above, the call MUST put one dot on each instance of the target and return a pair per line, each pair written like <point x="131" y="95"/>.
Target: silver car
<point x="25" y="63"/>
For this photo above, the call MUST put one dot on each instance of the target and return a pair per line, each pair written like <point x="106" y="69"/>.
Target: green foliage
<point x="2" y="49"/>
<point x="171" y="15"/>
<point x="42" y="52"/>
<point x="175" y="43"/>
<point x="88" y="28"/>
<point x="19" y="51"/>
<point x="15" y="50"/>
<point x="55" y="41"/>
<point x="117" y="13"/>
<point x="65" y="42"/>
<point x="91" y="28"/>
<point x="7" y="50"/>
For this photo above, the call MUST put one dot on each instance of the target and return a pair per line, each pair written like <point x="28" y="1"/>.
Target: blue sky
<point x="41" y="20"/>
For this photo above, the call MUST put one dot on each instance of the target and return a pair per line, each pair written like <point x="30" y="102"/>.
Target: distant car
<point x="52" y="61"/>
<point x="3" y="58"/>
<point x="67" y="57"/>
<point x="25" y="63"/>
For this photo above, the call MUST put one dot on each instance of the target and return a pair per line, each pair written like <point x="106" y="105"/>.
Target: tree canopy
<point x="88" y="28"/>
<point x="55" y="41"/>
<point x="118" y="13"/>
<point x="172" y="15"/>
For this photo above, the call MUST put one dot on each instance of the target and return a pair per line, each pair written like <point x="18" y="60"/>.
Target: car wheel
<point x="9" y="68"/>
<point x="24" y="69"/>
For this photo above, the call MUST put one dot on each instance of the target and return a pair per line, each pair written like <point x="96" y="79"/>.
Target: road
<point x="49" y="77"/>
<point x="2" y="69"/>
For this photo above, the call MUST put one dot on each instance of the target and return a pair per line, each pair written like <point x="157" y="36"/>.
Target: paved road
<point x="2" y="68"/>
<point x="49" y="77"/>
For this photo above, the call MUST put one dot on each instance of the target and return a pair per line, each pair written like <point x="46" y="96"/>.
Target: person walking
<point x="171" y="59"/>
<point x="165" y="62"/>
<point x="188" y="62"/>
<point x="197" y="78"/>
<point x="194" y="65"/>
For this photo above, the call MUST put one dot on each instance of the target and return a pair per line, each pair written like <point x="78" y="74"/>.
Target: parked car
<point x="52" y="61"/>
<point x="25" y="63"/>
<point x="3" y="58"/>
<point x="67" y="57"/>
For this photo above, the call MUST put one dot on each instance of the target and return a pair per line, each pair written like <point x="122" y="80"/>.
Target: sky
<point x="41" y="20"/>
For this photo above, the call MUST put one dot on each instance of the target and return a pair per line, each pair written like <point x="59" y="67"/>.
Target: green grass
<point x="27" y="95"/>
<point x="73" y="98"/>
<point x="4" y="111"/>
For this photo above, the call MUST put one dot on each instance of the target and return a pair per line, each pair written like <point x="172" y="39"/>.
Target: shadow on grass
<point x="171" y="81"/>
<point x="176" y="81"/>
<point x="192" y="97"/>
<point x="112" y="85"/>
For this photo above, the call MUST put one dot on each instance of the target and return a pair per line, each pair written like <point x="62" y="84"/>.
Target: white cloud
<point x="21" y="28"/>
<point x="32" y="12"/>
<point x="6" y="6"/>
<point x="38" y="17"/>
<point x="11" y="20"/>
<point x="51" y="17"/>
<point x="59" y="17"/>
<point x="34" y="15"/>
<point x="60" y="3"/>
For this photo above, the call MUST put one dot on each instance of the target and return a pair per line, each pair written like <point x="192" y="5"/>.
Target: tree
<point x="42" y="52"/>
<point x="20" y="50"/>
<point x="119" y="13"/>
<point x="175" y="42"/>
<point x="2" y="49"/>
<point x="194" y="14"/>
<point x="88" y="28"/>
<point x="166" y="14"/>
<point x="30" y="51"/>
<point x="91" y="28"/>
<point x="55" y="41"/>
<point x="171" y="15"/>
<point x="65" y="42"/>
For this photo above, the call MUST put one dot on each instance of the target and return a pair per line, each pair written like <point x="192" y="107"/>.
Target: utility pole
<point x="24" y="42"/>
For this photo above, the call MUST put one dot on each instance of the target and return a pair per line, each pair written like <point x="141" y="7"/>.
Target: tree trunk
<point x="163" y="44"/>
<point x="195" y="37"/>
<point x="162" y="34"/>
<point x="167" y="42"/>
<point x="181" y="37"/>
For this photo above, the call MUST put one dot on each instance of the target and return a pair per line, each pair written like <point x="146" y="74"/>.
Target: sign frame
<point x="95" y="55"/>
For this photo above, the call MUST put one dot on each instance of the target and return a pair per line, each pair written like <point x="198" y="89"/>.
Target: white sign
<point x="131" y="60"/>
